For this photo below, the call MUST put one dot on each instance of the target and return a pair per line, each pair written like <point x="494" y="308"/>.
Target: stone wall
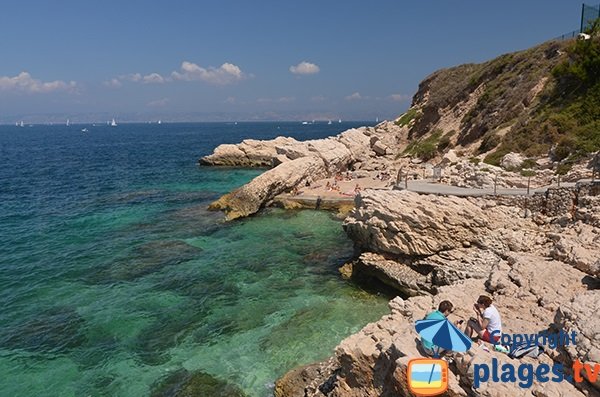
<point x="556" y="201"/>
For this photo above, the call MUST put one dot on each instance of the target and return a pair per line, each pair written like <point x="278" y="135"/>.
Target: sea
<point x="115" y="279"/>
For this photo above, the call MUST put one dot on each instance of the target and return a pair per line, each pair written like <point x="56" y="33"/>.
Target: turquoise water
<point x="113" y="275"/>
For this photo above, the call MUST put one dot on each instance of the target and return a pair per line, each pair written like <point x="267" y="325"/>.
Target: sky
<point x="249" y="60"/>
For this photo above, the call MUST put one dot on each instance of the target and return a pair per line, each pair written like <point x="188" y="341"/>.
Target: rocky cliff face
<point x="433" y="248"/>
<point x="473" y="99"/>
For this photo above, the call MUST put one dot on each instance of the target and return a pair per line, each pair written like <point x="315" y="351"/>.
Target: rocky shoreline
<point x="434" y="248"/>
<point x="537" y="255"/>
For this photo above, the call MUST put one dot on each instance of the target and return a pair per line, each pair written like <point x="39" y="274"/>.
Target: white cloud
<point x="133" y="77"/>
<point x="227" y="73"/>
<point x="25" y="83"/>
<point x="231" y="100"/>
<point x="399" y="97"/>
<point x="114" y="83"/>
<point x="286" y="99"/>
<point x="158" y="103"/>
<point x="153" y="78"/>
<point x="318" y="98"/>
<point x="283" y="99"/>
<point x="305" y="68"/>
<point x="354" y="97"/>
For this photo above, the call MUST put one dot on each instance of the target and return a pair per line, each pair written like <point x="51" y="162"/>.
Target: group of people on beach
<point x="486" y="325"/>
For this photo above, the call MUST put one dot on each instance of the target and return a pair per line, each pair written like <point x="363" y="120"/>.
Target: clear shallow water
<point x="113" y="275"/>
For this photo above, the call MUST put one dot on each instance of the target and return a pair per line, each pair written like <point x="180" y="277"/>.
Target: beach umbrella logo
<point x="444" y="334"/>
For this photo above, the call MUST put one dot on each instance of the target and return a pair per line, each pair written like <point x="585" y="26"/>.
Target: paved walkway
<point x="429" y="187"/>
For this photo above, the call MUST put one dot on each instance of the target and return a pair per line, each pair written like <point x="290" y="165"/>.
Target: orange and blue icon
<point x="427" y="376"/>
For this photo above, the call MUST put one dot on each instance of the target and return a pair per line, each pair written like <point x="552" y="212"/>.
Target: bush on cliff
<point x="569" y="117"/>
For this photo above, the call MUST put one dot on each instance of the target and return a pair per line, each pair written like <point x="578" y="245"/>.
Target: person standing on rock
<point x="487" y="322"/>
<point x="443" y="311"/>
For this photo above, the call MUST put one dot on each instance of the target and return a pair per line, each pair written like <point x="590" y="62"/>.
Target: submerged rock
<point x="148" y="258"/>
<point x="184" y="383"/>
<point x="56" y="330"/>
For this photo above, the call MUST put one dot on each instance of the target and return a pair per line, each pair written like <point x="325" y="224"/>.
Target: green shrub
<point x="474" y="160"/>
<point x="410" y="115"/>
<point x="528" y="172"/>
<point x="566" y="145"/>
<point x="443" y="143"/>
<point x="490" y="140"/>
<point x="496" y="156"/>
<point x="528" y="163"/>
<point x="425" y="149"/>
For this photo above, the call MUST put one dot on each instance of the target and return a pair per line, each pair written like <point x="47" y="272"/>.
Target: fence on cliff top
<point x="589" y="14"/>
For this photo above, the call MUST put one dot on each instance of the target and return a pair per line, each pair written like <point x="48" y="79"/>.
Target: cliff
<point x="538" y="102"/>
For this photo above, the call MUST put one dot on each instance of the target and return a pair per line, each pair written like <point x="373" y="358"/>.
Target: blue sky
<point x="250" y="59"/>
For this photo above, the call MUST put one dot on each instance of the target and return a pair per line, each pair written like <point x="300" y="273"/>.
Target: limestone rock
<point x="356" y="141"/>
<point x="512" y="161"/>
<point x="449" y="157"/>
<point x="448" y="267"/>
<point x="373" y="361"/>
<point x="581" y="315"/>
<point x="335" y="154"/>
<point x="293" y="150"/>
<point x="409" y="224"/>
<point x="379" y="148"/>
<point x="578" y="245"/>
<point x="227" y="155"/>
<point x="249" y="198"/>
<point x="249" y="153"/>
<point x="399" y="276"/>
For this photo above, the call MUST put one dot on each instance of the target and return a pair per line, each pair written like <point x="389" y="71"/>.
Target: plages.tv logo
<point x="427" y="376"/>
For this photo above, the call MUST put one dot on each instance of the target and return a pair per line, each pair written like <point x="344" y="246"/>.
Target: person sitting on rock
<point x="487" y="322"/>
<point x="443" y="311"/>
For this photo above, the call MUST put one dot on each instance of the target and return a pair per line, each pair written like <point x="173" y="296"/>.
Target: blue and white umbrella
<point x="442" y="333"/>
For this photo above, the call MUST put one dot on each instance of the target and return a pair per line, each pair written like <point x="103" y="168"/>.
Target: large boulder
<point x="249" y="198"/>
<point x="335" y="154"/>
<point x="249" y="153"/>
<point x="404" y="223"/>
<point x="512" y="161"/>
<point x="356" y="142"/>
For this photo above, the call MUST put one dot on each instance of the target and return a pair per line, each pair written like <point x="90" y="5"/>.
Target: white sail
<point x="113" y="123"/>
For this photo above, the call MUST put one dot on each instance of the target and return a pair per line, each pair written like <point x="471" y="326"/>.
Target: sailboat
<point x="21" y="124"/>
<point x="67" y="122"/>
<point x="113" y="123"/>
<point x="159" y="122"/>
<point x="329" y="122"/>
<point x="340" y="120"/>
